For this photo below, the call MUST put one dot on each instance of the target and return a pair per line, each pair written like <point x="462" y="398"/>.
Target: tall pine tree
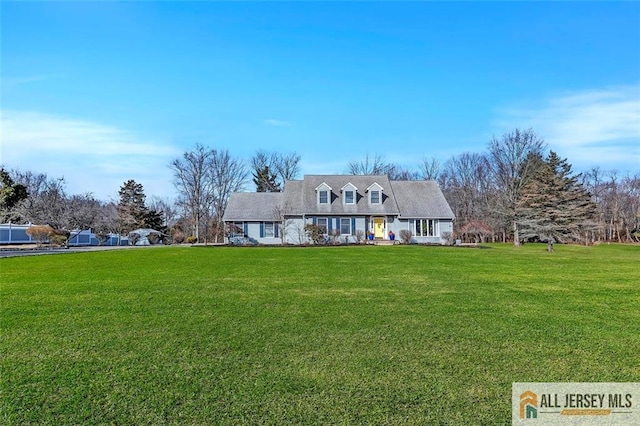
<point x="131" y="208"/>
<point x="266" y="180"/>
<point x="555" y="206"/>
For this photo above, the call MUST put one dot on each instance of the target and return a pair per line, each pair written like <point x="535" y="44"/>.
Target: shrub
<point x="359" y="236"/>
<point x="40" y="233"/>
<point x="191" y="239"/>
<point x="178" y="237"/>
<point x="448" y="238"/>
<point x="102" y="237"/>
<point x="405" y="236"/>
<point x="314" y="233"/>
<point x="59" y="237"/>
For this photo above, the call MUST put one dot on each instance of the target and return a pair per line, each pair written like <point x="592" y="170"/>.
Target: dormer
<point x="349" y="194"/>
<point x="323" y="194"/>
<point x="374" y="193"/>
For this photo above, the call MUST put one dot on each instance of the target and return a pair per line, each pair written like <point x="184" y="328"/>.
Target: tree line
<point x="514" y="191"/>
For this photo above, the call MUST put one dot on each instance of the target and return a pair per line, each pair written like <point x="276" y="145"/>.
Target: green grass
<point x="336" y="335"/>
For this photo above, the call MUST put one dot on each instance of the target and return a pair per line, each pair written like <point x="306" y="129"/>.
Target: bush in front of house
<point x="447" y="237"/>
<point x="314" y="233"/>
<point x="405" y="236"/>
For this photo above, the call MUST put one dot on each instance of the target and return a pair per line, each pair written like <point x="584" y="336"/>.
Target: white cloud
<point x="93" y="157"/>
<point x="276" y="123"/>
<point x="593" y="127"/>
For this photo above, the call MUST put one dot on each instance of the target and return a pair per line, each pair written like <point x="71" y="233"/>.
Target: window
<point x="375" y="197"/>
<point x="349" y="197"/>
<point x="375" y="193"/>
<point x="425" y="228"/>
<point x="322" y="224"/>
<point x="345" y="226"/>
<point x="236" y="229"/>
<point x="323" y="197"/>
<point x="268" y="230"/>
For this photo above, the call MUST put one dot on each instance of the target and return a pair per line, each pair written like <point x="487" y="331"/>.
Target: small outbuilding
<point x="140" y="237"/>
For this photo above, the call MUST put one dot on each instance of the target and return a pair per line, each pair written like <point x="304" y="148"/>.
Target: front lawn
<point x="349" y="335"/>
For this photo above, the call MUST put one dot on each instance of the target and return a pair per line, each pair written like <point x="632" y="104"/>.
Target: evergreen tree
<point x="131" y="208"/>
<point x="154" y="219"/>
<point x="11" y="194"/>
<point x="266" y="180"/>
<point x="554" y="207"/>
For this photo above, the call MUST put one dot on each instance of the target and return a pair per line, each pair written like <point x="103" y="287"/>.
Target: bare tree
<point x="282" y="216"/>
<point x="288" y="166"/>
<point x="272" y="170"/>
<point x="84" y="211"/>
<point x="168" y="209"/>
<point x="513" y="159"/>
<point x="227" y="175"/>
<point x="191" y="181"/>
<point x="430" y="168"/>
<point x="375" y="165"/>
<point x="396" y="172"/>
<point x="618" y="204"/>
<point x="46" y="202"/>
<point x="465" y="182"/>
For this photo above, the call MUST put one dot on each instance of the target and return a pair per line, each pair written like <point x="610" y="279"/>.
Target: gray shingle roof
<point x="252" y="206"/>
<point x="409" y="199"/>
<point x="420" y="199"/>
<point x="337" y="207"/>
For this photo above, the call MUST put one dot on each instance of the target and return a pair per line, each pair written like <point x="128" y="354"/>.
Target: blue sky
<point x="103" y="92"/>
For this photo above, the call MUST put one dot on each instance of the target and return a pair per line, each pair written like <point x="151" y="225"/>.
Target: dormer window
<point x="349" y="193"/>
<point x="323" y="197"/>
<point x="375" y="193"/>
<point x="324" y="194"/>
<point x="375" y="197"/>
<point x="349" y="197"/>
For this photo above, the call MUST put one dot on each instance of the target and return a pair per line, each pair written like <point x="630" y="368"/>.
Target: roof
<point x="408" y="199"/>
<point x="337" y="207"/>
<point x="421" y="198"/>
<point x="252" y="206"/>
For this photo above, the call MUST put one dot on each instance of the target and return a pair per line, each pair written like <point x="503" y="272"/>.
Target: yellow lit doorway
<point x="378" y="227"/>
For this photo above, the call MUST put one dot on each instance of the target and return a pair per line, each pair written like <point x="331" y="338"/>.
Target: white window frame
<point x="375" y="186"/>
<point x="269" y="230"/>
<point x="425" y="224"/>
<point x="325" y="226"/>
<point x="348" y="219"/>
<point x="323" y="188"/>
<point x="353" y="197"/>
<point x="323" y="191"/>
<point x="349" y="187"/>
<point x="371" y="196"/>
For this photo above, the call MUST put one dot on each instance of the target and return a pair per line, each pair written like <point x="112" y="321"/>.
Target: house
<point x="347" y="207"/>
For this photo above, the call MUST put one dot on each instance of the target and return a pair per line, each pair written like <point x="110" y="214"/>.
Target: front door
<point x="378" y="227"/>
